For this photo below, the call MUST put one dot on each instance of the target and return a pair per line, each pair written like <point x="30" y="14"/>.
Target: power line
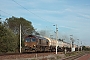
<point x="5" y="12"/>
<point x="27" y="9"/>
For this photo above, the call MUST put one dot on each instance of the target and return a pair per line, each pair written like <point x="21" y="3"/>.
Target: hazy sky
<point x="71" y="16"/>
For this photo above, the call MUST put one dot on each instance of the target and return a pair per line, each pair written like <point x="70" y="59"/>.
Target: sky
<point x="71" y="16"/>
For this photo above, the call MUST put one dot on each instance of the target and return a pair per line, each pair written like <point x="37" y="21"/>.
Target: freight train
<point x="40" y="44"/>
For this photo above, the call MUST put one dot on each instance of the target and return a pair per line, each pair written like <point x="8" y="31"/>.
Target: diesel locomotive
<point x="36" y="43"/>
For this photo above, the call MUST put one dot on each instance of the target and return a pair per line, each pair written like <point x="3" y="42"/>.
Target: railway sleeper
<point x="73" y="57"/>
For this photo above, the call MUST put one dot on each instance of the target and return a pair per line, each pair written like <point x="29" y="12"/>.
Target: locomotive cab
<point x="30" y="43"/>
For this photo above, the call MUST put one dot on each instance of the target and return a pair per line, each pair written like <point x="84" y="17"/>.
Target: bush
<point x="8" y="40"/>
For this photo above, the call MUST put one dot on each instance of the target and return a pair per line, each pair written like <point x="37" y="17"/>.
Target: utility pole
<point x="71" y="42"/>
<point x="56" y="37"/>
<point x="81" y="45"/>
<point x="78" y="44"/>
<point x="20" y="38"/>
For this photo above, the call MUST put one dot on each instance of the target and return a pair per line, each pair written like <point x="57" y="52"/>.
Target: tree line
<point x="9" y="33"/>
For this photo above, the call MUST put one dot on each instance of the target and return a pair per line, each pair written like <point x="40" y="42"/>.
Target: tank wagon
<point x="51" y="44"/>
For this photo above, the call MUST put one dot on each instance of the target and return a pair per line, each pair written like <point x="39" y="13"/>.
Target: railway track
<point x="6" y="54"/>
<point x="25" y="55"/>
<point x="74" y="57"/>
<point x="38" y="55"/>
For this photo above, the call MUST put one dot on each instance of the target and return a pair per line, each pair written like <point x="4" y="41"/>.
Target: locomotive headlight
<point x="34" y="45"/>
<point x="25" y="44"/>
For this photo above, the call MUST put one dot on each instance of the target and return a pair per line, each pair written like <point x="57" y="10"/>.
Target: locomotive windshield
<point x="27" y="39"/>
<point x="33" y="39"/>
<point x="30" y="39"/>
